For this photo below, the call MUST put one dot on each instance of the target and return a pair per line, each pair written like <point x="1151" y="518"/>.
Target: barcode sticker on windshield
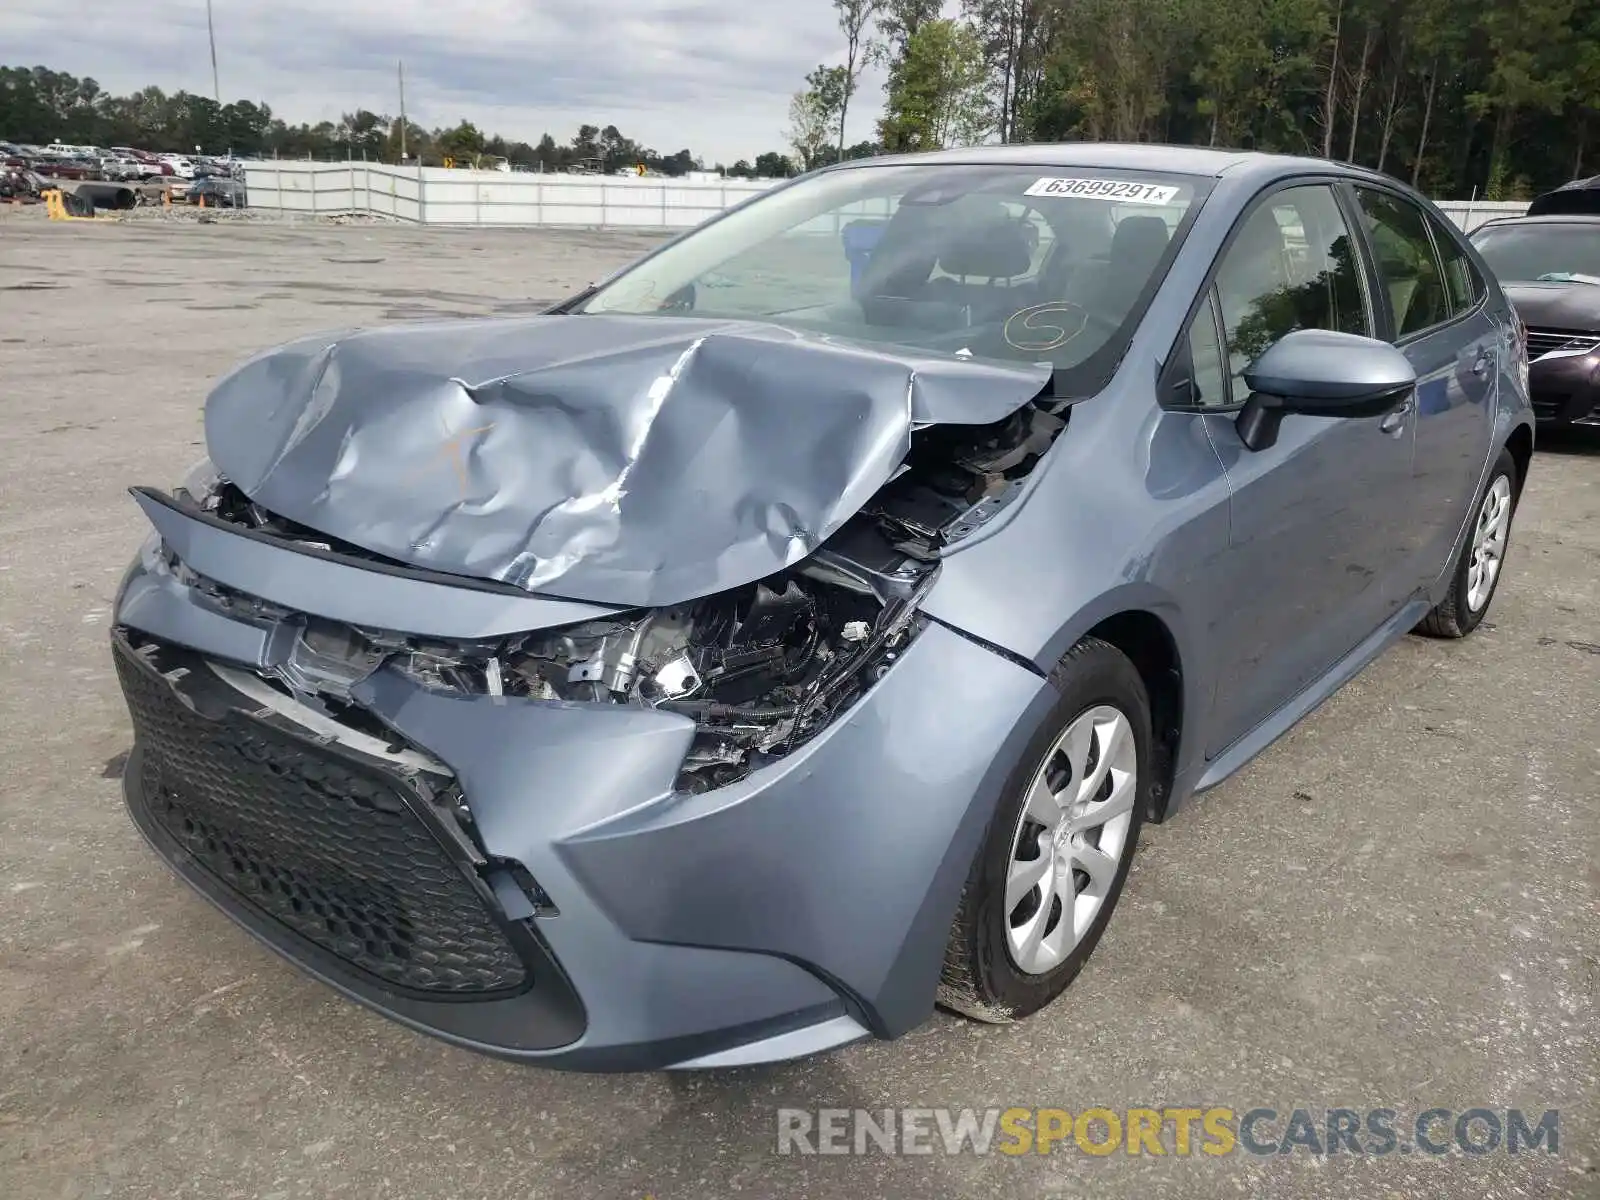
<point x="1124" y="190"/>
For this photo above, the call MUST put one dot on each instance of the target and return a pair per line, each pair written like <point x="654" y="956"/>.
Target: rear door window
<point x="1461" y="280"/>
<point x="1407" y="262"/>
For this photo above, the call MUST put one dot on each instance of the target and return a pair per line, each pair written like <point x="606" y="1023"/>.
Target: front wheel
<point x="1058" y="850"/>
<point x="1478" y="569"/>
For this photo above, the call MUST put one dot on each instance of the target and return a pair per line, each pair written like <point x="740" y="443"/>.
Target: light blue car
<point x="794" y="631"/>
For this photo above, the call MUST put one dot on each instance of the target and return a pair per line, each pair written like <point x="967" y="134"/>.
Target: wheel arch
<point x="1520" y="446"/>
<point x="1150" y="644"/>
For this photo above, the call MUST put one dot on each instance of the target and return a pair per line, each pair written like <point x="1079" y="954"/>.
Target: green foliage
<point x="773" y="166"/>
<point x="937" y="94"/>
<point x="815" y="113"/>
<point x="855" y="23"/>
<point x="1497" y="96"/>
<point x="900" y="21"/>
<point x="39" y="106"/>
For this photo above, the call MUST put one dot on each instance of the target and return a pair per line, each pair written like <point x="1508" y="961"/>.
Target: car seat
<point x="1109" y="289"/>
<point x="996" y="251"/>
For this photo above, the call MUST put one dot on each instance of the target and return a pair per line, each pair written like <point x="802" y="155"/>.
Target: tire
<point x="1464" y="605"/>
<point x="987" y="975"/>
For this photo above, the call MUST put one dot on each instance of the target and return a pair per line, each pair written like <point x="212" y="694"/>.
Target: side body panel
<point x="1455" y="404"/>
<point x="1456" y="364"/>
<point x="1317" y="540"/>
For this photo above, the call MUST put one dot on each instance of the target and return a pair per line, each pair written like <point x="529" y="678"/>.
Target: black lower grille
<point x="327" y="843"/>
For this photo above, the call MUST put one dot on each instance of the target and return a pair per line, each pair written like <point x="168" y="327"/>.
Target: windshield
<point x="1532" y="252"/>
<point x="1024" y="263"/>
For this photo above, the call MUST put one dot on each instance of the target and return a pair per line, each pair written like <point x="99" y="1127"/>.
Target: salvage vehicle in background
<point x="121" y="170"/>
<point x="59" y="166"/>
<point x="150" y="166"/>
<point x="182" y="167"/>
<point x="797" y="628"/>
<point x="17" y="182"/>
<point x="1549" y="265"/>
<point x="217" y="190"/>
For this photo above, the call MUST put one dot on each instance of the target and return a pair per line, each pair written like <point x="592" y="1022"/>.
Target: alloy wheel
<point x="1489" y="543"/>
<point x="1070" y="838"/>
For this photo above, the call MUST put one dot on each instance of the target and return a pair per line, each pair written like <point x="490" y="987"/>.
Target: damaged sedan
<point x="794" y="631"/>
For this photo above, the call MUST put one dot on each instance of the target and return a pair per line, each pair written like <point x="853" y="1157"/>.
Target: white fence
<point x="436" y="196"/>
<point x="1470" y="214"/>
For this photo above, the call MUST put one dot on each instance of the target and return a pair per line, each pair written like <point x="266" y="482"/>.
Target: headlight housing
<point x="760" y="669"/>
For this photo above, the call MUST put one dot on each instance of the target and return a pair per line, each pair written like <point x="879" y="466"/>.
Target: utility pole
<point x="211" y="32"/>
<point x="401" y="64"/>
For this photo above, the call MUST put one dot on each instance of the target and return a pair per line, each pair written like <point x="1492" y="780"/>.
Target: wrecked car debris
<point x="760" y="667"/>
<point x="762" y="507"/>
<point x="618" y="459"/>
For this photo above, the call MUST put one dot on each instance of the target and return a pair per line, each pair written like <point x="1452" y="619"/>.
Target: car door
<point x="1431" y="305"/>
<point x="1313" y="543"/>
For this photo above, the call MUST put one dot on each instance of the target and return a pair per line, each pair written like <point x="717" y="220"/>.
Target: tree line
<point x="1495" y="97"/>
<point x="1501" y="97"/>
<point x="40" y="106"/>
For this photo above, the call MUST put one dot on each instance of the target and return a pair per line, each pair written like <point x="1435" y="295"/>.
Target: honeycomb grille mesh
<point x="325" y="845"/>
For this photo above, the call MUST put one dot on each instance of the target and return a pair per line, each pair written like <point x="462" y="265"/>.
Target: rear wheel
<point x="1478" y="570"/>
<point x="1057" y="853"/>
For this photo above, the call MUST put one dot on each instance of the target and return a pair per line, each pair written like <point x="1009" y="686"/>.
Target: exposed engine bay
<point x="761" y="668"/>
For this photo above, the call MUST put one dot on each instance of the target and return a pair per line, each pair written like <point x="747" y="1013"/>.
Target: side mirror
<point x="1321" y="373"/>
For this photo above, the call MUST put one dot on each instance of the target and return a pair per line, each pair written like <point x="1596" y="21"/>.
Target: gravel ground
<point x="1394" y="907"/>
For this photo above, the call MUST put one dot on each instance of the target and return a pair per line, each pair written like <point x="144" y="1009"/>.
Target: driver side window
<point x="1292" y="265"/>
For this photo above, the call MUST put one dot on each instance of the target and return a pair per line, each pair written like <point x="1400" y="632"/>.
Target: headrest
<point x="1139" y="242"/>
<point x="994" y="248"/>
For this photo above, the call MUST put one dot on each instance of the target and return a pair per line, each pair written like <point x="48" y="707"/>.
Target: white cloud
<point x="711" y="75"/>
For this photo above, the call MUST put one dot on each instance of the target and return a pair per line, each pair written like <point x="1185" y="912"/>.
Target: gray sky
<point x="714" y="76"/>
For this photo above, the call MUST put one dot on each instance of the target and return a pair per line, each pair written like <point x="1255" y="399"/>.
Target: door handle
<point x="1485" y="361"/>
<point x="1395" y="422"/>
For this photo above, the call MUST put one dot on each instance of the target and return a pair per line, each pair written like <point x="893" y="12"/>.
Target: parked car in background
<point x="150" y="167"/>
<point x="121" y="170"/>
<point x="17" y="181"/>
<point x="182" y="167"/>
<point x="60" y="166"/>
<point x="1550" y="269"/>
<point x="217" y="190"/>
<point x="952" y="556"/>
<point x="72" y="151"/>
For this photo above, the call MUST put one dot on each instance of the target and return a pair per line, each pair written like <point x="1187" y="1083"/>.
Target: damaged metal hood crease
<point x="634" y="461"/>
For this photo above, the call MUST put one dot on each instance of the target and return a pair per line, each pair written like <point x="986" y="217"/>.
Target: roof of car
<point x="1133" y="156"/>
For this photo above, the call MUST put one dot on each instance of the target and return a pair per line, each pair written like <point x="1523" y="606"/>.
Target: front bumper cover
<point x="1566" y="390"/>
<point x="797" y="909"/>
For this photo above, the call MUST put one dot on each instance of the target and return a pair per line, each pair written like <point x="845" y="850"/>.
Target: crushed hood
<point x="621" y="460"/>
